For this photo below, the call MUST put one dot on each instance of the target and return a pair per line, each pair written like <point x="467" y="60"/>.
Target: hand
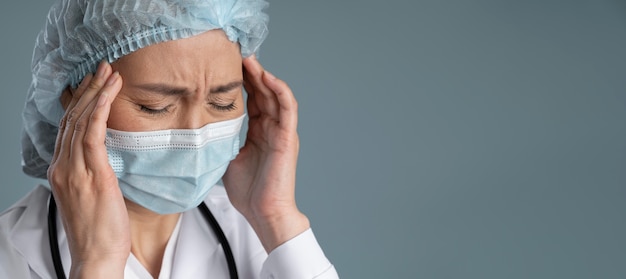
<point x="260" y="182"/>
<point x="84" y="185"/>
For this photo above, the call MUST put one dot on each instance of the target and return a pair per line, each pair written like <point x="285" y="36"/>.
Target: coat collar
<point x="197" y="249"/>
<point x="29" y="235"/>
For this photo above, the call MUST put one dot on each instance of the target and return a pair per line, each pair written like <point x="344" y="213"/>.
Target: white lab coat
<point x="25" y="249"/>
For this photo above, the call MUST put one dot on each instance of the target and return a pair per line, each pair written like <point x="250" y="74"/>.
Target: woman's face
<point x="181" y="84"/>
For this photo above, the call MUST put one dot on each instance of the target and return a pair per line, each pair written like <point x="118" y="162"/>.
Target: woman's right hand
<point x="84" y="185"/>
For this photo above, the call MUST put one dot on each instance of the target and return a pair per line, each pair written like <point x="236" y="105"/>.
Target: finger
<point x="86" y="96"/>
<point x="89" y="91"/>
<point x="75" y="96"/>
<point x="254" y="100"/>
<point x="96" y="131"/>
<point x="288" y="107"/>
<point x="78" y="92"/>
<point x="253" y="108"/>
<point x="265" y="98"/>
<point x="85" y="145"/>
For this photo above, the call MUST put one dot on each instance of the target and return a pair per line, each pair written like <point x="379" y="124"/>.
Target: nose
<point x="194" y="116"/>
<point x="193" y="113"/>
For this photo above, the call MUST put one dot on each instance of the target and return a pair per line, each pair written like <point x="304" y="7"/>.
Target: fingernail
<point x="100" y="70"/>
<point x="270" y="76"/>
<point x="112" y="78"/>
<point x="102" y="99"/>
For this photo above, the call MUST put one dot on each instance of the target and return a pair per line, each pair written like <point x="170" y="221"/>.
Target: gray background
<point x="440" y="139"/>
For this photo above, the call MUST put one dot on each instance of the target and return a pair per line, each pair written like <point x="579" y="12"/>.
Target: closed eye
<point x="229" y="107"/>
<point x="153" y="111"/>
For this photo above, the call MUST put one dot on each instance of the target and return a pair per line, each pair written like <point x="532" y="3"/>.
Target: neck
<point x="149" y="234"/>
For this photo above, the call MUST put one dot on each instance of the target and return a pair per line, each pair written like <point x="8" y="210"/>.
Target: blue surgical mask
<point x="171" y="171"/>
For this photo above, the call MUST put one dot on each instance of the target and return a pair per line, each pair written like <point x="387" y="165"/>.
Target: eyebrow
<point x="165" y="89"/>
<point x="226" y="87"/>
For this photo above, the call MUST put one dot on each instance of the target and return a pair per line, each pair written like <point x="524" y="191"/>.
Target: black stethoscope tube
<point x="56" y="255"/>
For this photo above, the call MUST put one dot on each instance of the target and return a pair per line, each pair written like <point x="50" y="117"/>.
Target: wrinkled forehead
<point x="200" y="60"/>
<point x="97" y="30"/>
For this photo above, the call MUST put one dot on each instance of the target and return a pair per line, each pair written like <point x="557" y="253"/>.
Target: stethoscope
<point x="56" y="256"/>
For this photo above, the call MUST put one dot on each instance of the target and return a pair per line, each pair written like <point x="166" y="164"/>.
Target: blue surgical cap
<point x="78" y="34"/>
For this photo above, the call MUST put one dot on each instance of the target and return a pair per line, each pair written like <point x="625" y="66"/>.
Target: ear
<point x="66" y="97"/>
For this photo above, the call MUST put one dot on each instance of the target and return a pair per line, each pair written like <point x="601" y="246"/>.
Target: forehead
<point x="210" y="57"/>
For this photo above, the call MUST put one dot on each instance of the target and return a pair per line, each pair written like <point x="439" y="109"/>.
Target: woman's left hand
<point x="260" y="182"/>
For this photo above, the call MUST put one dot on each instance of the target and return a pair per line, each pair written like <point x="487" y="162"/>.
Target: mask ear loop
<point x="52" y="237"/>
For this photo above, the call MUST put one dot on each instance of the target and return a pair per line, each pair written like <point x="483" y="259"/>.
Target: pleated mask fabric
<point x="172" y="171"/>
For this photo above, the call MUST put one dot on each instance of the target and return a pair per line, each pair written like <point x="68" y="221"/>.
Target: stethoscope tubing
<point x="204" y="209"/>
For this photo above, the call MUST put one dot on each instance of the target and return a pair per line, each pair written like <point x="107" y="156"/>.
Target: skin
<point x="102" y="227"/>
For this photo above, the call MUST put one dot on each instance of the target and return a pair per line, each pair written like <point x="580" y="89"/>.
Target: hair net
<point x="78" y="34"/>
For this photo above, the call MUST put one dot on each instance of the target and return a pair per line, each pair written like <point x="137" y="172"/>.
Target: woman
<point x="131" y="150"/>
